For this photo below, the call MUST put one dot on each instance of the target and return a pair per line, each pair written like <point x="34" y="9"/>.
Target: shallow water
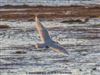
<point x="82" y="41"/>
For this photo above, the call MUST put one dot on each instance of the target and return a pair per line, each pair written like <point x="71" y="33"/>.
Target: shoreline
<point x="49" y="12"/>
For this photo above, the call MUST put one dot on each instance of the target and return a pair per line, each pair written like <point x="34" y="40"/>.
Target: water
<point x="81" y="40"/>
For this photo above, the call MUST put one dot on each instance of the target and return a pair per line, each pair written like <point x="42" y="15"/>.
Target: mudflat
<point x="49" y="12"/>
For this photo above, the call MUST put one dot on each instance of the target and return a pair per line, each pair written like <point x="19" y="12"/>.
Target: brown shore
<point x="49" y="12"/>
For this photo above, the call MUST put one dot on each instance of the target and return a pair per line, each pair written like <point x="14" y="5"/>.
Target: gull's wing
<point x="58" y="48"/>
<point x="43" y="33"/>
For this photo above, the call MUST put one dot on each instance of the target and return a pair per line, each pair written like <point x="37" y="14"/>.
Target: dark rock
<point x="20" y="52"/>
<point x="94" y="69"/>
<point x="4" y="27"/>
<point x="75" y="21"/>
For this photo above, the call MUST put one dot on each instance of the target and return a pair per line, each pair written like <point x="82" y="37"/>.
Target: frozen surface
<point x="48" y="2"/>
<point x="83" y="46"/>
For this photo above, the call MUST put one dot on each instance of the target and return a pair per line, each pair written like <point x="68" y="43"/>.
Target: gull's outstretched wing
<point x="58" y="48"/>
<point x="43" y="33"/>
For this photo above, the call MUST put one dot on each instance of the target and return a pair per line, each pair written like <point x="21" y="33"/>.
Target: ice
<point x="2" y="9"/>
<point x="83" y="58"/>
<point x="48" y="2"/>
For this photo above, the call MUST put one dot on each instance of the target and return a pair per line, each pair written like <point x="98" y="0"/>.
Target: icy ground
<point x="81" y="40"/>
<point x="48" y="2"/>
